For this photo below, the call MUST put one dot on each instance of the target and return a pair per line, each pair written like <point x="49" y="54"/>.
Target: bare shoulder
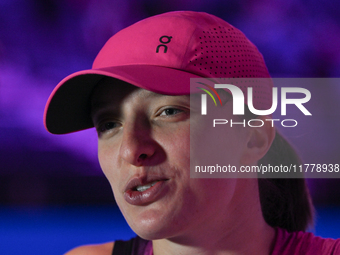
<point x="96" y="249"/>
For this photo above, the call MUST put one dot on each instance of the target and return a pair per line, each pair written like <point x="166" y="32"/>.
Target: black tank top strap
<point x="123" y="247"/>
<point x="134" y="246"/>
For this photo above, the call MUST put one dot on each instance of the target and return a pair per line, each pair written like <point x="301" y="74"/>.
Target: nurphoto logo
<point x="239" y="104"/>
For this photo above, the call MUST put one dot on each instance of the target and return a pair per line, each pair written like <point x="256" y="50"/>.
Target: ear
<point x="258" y="143"/>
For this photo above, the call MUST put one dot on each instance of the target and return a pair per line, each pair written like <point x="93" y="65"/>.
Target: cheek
<point x="104" y="159"/>
<point x="220" y="145"/>
<point x="177" y="148"/>
<point x="107" y="157"/>
<point x="108" y="163"/>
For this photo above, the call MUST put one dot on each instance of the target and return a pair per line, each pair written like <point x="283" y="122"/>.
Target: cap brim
<point x="68" y="107"/>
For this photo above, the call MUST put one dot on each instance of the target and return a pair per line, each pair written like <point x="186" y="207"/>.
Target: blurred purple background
<point x="53" y="195"/>
<point x="42" y="41"/>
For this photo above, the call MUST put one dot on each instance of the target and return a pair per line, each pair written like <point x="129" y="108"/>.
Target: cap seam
<point x="187" y="48"/>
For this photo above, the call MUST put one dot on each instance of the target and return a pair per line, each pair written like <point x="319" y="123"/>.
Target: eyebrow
<point x="100" y="108"/>
<point x="103" y="113"/>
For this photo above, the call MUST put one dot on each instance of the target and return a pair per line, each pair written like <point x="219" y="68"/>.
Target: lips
<point x="145" y="190"/>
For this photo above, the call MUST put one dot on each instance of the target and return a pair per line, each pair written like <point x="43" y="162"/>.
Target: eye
<point x="170" y="111"/>
<point x="107" y="126"/>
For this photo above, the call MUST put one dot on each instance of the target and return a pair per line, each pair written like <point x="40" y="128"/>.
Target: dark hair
<point x="285" y="202"/>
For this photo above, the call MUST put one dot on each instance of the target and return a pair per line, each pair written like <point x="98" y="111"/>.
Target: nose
<point x="137" y="147"/>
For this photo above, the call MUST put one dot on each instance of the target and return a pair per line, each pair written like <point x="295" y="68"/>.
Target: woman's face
<point x="144" y="150"/>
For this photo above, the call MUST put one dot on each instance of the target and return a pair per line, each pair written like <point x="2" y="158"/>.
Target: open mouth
<point x="143" y="193"/>
<point x="145" y="187"/>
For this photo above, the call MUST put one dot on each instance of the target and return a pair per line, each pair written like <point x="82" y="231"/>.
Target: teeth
<point x="145" y="187"/>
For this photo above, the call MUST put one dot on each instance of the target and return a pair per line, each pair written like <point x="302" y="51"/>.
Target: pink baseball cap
<point x="160" y="54"/>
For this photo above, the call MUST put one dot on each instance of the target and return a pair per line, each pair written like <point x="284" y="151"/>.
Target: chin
<point x="151" y="225"/>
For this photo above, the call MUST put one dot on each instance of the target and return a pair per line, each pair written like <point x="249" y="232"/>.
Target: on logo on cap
<point x="164" y="40"/>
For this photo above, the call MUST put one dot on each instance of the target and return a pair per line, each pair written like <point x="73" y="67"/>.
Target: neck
<point x="239" y="229"/>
